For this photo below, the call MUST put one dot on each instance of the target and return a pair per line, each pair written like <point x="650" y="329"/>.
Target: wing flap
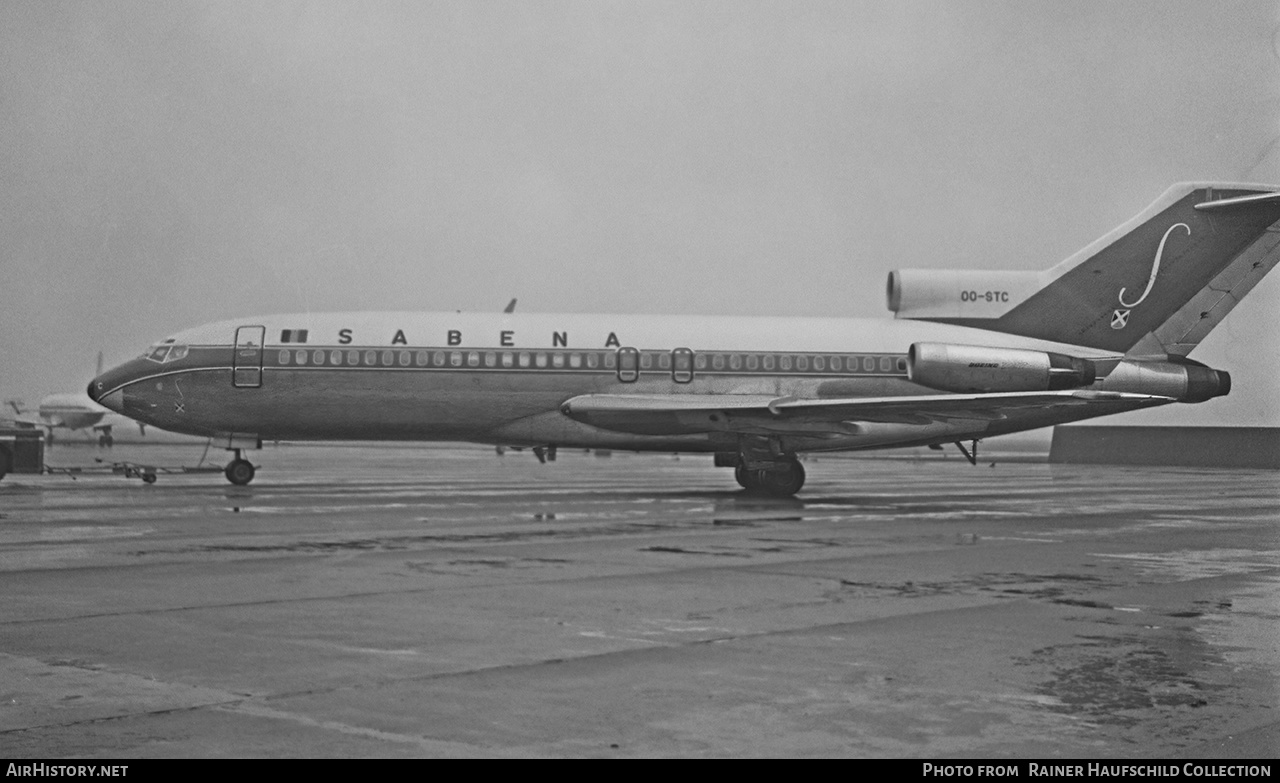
<point x="684" y="414"/>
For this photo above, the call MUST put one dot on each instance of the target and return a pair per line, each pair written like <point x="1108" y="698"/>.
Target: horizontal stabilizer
<point x="1239" y="202"/>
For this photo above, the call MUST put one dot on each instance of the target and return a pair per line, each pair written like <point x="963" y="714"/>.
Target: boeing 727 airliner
<point x="970" y="354"/>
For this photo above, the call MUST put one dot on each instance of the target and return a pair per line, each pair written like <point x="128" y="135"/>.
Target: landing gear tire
<point x="783" y="480"/>
<point x="239" y="472"/>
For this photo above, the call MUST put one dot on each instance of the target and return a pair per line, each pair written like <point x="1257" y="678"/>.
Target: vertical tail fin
<point x="1158" y="284"/>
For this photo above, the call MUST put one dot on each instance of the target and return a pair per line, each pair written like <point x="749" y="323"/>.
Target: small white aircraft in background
<point x="970" y="354"/>
<point x="71" y="411"/>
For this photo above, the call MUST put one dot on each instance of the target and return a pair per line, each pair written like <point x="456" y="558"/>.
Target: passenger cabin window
<point x="628" y="365"/>
<point x="682" y="365"/>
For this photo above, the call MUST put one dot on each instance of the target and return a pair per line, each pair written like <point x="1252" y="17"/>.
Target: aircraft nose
<point x="112" y="401"/>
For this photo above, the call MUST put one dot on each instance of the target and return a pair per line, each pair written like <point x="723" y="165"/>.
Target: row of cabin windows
<point x="629" y="362"/>
<point x="494" y="359"/>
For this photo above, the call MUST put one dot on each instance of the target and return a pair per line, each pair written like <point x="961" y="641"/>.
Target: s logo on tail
<point x="1120" y="318"/>
<point x="1155" y="269"/>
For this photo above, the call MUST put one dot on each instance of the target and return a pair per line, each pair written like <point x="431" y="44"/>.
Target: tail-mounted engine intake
<point x="958" y="293"/>
<point x="977" y="368"/>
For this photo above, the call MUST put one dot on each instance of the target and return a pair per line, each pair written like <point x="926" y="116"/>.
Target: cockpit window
<point x="165" y="353"/>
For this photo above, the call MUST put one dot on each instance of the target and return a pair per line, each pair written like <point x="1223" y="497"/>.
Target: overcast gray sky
<point x="168" y="164"/>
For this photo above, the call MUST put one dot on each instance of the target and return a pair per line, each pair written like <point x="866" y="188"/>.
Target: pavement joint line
<point x="657" y="647"/>
<point x="639" y="571"/>
<point x="771" y="569"/>
<point x="257" y="709"/>
<point x="122" y="716"/>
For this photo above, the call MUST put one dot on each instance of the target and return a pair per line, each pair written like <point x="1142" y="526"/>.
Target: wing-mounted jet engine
<point x="981" y="369"/>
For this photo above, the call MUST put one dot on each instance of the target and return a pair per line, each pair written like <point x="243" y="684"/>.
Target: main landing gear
<point x="782" y="479"/>
<point x="239" y="470"/>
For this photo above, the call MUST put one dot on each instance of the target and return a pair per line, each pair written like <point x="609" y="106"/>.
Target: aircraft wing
<point x="32" y="420"/>
<point x="685" y="414"/>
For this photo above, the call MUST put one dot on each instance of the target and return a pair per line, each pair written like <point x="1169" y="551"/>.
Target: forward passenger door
<point x="246" y="359"/>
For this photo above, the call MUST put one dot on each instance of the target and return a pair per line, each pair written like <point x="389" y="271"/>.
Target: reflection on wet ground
<point x="406" y="601"/>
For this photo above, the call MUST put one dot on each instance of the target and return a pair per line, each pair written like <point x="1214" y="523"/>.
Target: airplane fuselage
<point x="502" y="378"/>
<point x="970" y="355"/>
